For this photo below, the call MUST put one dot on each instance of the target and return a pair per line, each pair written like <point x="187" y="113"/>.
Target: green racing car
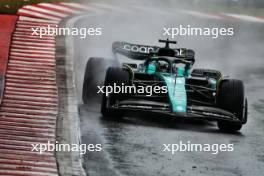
<point x="163" y="82"/>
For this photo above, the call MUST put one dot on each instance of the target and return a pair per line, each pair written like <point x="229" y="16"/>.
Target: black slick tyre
<point x="119" y="77"/>
<point x="94" y="76"/>
<point x="231" y="98"/>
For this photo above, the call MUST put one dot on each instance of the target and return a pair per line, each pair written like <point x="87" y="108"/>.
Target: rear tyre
<point x="94" y="76"/>
<point x="120" y="78"/>
<point x="231" y="98"/>
<point x="207" y="73"/>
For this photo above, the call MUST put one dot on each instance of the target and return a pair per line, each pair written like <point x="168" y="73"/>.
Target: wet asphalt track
<point x="134" y="145"/>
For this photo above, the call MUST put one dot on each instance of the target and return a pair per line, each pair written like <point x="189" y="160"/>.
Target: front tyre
<point x="119" y="77"/>
<point x="231" y="98"/>
<point x="94" y="76"/>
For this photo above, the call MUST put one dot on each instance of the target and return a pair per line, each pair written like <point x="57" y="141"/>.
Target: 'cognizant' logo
<point x="149" y="49"/>
<point x="140" y="49"/>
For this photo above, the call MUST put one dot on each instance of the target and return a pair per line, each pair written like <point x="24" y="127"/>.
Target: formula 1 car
<point x="183" y="91"/>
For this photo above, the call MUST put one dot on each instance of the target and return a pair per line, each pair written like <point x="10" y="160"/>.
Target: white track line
<point x="26" y="36"/>
<point x="37" y="14"/>
<point x="200" y="14"/>
<point x="29" y="103"/>
<point x="30" y="98"/>
<point x="24" y="29"/>
<point x="98" y="7"/>
<point x="59" y="7"/>
<point x="40" y="40"/>
<point x="33" y="44"/>
<point x="30" y="73"/>
<point x="152" y="10"/>
<point x="33" y="60"/>
<point x="19" y="172"/>
<point x="244" y="17"/>
<point x="38" y="163"/>
<point x="29" y="55"/>
<point x="75" y="5"/>
<point x="29" y="33"/>
<point x="19" y="143"/>
<point x="33" y="22"/>
<point x="30" y="129"/>
<point x="45" y="11"/>
<point x="33" y="40"/>
<point x="26" y="18"/>
<point x="31" y="68"/>
<point x="33" y="47"/>
<point x="30" y="63"/>
<point x="27" y="138"/>
<point x="33" y="90"/>
<point x="30" y="82"/>
<point x="39" y="168"/>
<point x="32" y="95"/>
<point x="25" y="116"/>
<point x="29" y="26"/>
<point x="48" y="134"/>
<point x="16" y="67"/>
<point x="32" y="51"/>
<point x="40" y="79"/>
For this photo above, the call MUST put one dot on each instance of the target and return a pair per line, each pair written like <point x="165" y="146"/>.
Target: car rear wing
<point x="141" y="52"/>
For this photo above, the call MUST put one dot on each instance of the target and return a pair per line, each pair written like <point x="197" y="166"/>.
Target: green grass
<point x="11" y="6"/>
